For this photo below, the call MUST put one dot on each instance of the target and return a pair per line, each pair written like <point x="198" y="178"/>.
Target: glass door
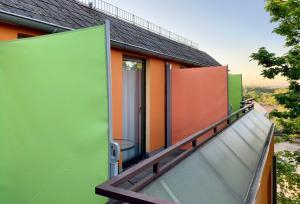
<point x="133" y="109"/>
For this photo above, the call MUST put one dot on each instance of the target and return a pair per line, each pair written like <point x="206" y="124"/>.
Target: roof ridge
<point x="116" y="12"/>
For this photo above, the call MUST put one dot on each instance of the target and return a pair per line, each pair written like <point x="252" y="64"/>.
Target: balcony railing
<point x="138" y="21"/>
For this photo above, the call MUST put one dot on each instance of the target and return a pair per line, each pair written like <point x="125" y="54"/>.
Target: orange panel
<point x="264" y="194"/>
<point x="117" y="113"/>
<point x="10" y="32"/>
<point x="175" y="65"/>
<point x="117" y="110"/>
<point x="199" y="99"/>
<point x="156" y="104"/>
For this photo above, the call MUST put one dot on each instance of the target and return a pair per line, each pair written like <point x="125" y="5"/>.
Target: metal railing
<point x="138" y="21"/>
<point x="246" y="102"/>
<point x="113" y="189"/>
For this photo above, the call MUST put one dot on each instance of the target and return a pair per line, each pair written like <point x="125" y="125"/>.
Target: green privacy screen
<point x="54" y="118"/>
<point x="235" y="91"/>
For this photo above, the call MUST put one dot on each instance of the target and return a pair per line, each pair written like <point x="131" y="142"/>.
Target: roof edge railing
<point x="246" y="102"/>
<point x="138" y="21"/>
<point x="112" y="187"/>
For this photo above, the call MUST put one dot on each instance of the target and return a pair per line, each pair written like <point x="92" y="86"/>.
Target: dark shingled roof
<point x="72" y="14"/>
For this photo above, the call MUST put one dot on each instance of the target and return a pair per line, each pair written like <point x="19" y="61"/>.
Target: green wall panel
<point x="54" y="118"/>
<point x="235" y="91"/>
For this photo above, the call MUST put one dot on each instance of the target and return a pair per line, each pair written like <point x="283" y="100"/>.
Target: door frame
<point x="142" y="155"/>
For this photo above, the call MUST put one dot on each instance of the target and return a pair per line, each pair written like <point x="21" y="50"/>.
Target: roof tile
<point x="72" y="14"/>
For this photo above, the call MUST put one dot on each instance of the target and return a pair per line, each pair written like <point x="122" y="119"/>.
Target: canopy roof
<point x="223" y="167"/>
<point x="222" y="170"/>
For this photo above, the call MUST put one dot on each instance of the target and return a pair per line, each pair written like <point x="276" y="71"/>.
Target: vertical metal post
<point x="155" y="168"/>
<point x="228" y="121"/>
<point x="242" y="92"/>
<point x="194" y="143"/>
<point x="117" y="12"/>
<point x="227" y="79"/>
<point x="168" y="106"/>
<point x="111" y="158"/>
<point x="215" y="129"/>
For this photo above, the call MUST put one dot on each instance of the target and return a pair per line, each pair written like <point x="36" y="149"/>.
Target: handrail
<point x="111" y="189"/>
<point x="246" y="102"/>
<point x="138" y="21"/>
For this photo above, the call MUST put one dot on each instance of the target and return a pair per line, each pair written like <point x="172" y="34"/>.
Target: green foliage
<point x="286" y="65"/>
<point x="290" y="100"/>
<point x="289" y="67"/>
<point x="285" y="138"/>
<point x="291" y="126"/>
<point x="286" y="13"/>
<point x="284" y="200"/>
<point x="288" y="181"/>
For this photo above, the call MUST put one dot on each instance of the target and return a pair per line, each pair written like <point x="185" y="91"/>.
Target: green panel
<point x="235" y="91"/>
<point x="54" y="118"/>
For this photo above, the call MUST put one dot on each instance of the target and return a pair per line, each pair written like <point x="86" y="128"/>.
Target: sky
<point x="228" y="30"/>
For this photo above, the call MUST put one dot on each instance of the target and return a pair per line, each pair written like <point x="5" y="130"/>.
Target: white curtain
<point x="131" y="111"/>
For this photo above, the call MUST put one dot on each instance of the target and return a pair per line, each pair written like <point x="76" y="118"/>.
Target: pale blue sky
<point x="229" y="30"/>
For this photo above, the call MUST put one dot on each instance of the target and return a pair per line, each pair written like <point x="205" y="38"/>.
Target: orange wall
<point x="156" y="104"/>
<point x="175" y="65"/>
<point x="264" y="194"/>
<point x="155" y="99"/>
<point x="117" y="113"/>
<point x="10" y="32"/>
<point x="194" y="104"/>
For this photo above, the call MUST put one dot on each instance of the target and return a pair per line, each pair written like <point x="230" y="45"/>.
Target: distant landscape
<point x="286" y="128"/>
<point x="265" y="96"/>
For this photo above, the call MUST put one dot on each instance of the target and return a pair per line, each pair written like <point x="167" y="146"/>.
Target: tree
<point x="286" y="13"/>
